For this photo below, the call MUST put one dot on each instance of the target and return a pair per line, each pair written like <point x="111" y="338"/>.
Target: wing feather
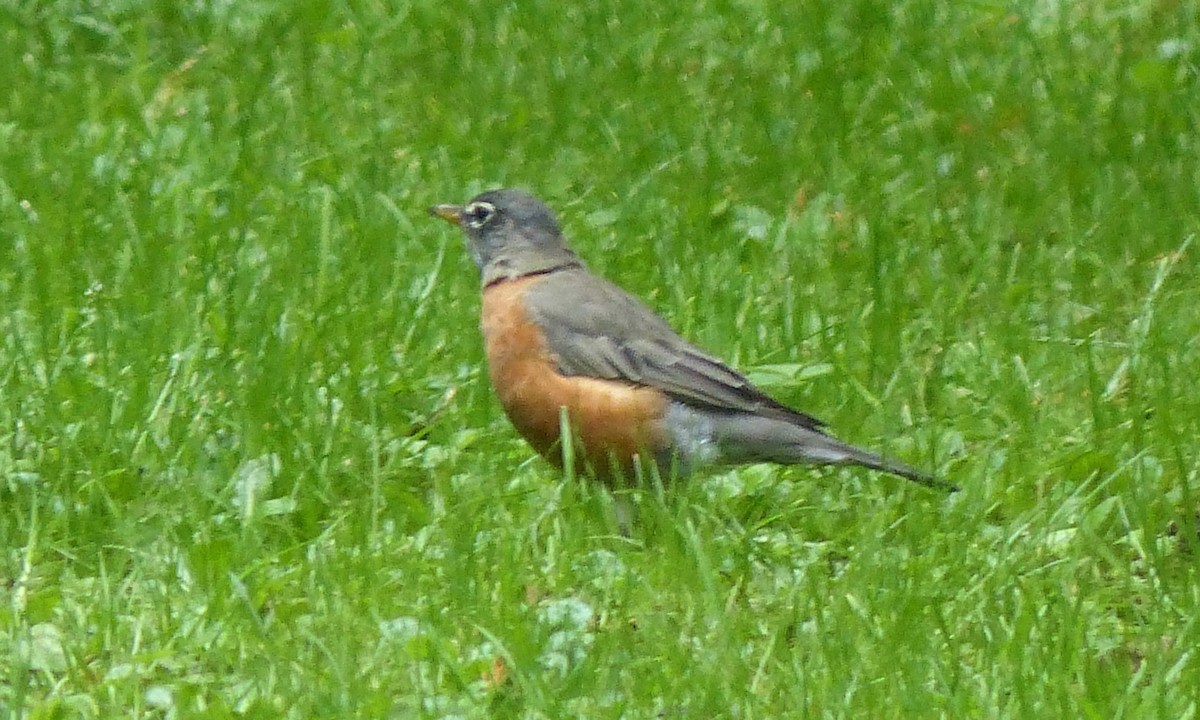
<point x="596" y="329"/>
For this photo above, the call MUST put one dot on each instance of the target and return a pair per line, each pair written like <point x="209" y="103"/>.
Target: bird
<point x="563" y="343"/>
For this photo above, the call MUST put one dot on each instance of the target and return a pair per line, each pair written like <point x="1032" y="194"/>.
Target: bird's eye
<point x="479" y="213"/>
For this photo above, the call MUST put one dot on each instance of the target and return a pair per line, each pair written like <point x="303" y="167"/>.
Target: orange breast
<point x="614" y="422"/>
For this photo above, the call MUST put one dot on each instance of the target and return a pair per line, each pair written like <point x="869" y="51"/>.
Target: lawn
<point x="250" y="464"/>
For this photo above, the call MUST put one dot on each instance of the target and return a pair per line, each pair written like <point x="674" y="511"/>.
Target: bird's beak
<point x="449" y="213"/>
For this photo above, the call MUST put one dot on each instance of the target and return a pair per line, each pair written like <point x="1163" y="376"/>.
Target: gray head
<point x="510" y="234"/>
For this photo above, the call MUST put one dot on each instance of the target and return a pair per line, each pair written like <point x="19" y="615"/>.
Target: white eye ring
<point x="479" y="213"/>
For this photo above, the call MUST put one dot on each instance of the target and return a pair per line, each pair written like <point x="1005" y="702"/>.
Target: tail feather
<point x="850" y="455"/>
<point x="745" y="438"/>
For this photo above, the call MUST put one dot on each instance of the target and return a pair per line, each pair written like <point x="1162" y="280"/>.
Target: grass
<point x="250" y="465"/>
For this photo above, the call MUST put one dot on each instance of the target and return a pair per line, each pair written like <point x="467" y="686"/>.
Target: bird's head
<point x="510" y="234"/>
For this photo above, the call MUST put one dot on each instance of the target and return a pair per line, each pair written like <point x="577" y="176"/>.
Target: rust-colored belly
<point x="614" y="422"/>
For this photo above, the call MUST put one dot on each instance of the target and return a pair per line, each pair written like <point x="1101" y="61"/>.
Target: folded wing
<point x="596" y="329"/>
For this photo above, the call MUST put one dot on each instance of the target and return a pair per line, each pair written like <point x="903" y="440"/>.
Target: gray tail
<point x="851" y="455"/>
<point x="750" y="438"/>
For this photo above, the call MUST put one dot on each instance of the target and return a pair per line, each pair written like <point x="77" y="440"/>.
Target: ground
<point x="250" y="465"/>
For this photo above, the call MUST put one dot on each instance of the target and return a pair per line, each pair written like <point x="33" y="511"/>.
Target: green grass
<point x="250" y="465"/>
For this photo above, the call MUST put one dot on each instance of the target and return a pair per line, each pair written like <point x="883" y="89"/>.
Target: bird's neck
<point x="505" y="268"/>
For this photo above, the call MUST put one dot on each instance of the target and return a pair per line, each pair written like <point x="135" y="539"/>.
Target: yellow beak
<point x="449" y="213"/>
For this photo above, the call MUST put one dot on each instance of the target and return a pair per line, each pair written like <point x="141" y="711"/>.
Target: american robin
<point x="558" y="336"/>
